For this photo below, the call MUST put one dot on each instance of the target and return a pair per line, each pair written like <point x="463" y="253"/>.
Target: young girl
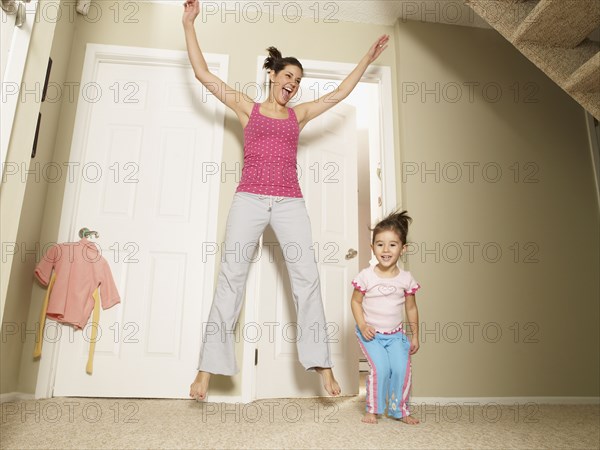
<point x="267" y="195"/>
<point x="381" y="293"/>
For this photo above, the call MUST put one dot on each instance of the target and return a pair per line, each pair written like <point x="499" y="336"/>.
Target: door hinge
<point x="256" y="357"/>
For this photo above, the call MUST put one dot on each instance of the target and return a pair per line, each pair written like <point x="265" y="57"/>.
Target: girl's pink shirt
<point x="383" y="301"/>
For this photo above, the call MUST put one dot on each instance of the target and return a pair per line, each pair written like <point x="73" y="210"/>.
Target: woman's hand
<point x="191" y="9"/>
<point x="378" y="47"/>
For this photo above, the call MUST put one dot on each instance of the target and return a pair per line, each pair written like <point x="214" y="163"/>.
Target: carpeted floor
<point x="290" y="423"/>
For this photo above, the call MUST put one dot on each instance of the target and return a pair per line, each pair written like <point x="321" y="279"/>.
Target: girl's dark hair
<point x="276" y="62"/>
<point x="397" y="222"/>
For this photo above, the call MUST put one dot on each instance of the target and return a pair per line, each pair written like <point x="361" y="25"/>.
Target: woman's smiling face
<point x="285" y="83"/>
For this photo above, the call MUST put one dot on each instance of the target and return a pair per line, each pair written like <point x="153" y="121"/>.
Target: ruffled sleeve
<point x="413" y="286"/>
<point x="360" y="282"/>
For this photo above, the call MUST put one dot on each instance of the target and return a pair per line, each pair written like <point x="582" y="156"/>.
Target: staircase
<point x="553" y="34"/>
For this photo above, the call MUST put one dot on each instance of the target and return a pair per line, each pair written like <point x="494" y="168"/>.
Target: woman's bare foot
<point x="329" y="383"/>
<point x="369" y="418"/>
<point x="410" y="420"/>
<point x="199" y="387"/>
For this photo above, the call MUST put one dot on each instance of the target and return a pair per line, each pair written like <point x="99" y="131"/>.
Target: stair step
<point x="563" y="23"/>
<point x="586" y="78"/>
<point x="505" y="16"/>
<point x="560" y="64"/>
<point x="567" y="67"/>
<point x="557" y="62"/>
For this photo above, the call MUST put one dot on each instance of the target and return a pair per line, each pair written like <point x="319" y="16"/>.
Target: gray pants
<point x="248" y="217"/>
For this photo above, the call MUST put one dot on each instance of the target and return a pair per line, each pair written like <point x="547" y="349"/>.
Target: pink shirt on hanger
<point x="80" y="269"/>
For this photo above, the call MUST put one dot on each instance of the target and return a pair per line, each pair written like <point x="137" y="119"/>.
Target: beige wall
<point x="558" y="213"/>
<point x="555" y="300"/>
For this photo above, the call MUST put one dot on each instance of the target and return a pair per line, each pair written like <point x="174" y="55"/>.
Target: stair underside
<point x="527" y="25"/>
<point x="504" y="16"/>
<point x="563" y="23"/>
<point x="586" y="78"/>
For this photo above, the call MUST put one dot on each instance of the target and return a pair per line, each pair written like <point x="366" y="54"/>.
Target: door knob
<point x="351" y="253"/>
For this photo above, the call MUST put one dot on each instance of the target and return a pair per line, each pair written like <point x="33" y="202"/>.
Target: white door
<point x="148" y="138"/>
<point x="327" y="156"/>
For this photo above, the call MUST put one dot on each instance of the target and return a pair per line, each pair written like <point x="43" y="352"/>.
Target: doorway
<point x="376" y="189"/>
<point x="148" y="203"/>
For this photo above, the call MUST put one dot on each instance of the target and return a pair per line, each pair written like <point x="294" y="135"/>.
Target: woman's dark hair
<point x="276" y="62"/>
<point x="397" y="222"/>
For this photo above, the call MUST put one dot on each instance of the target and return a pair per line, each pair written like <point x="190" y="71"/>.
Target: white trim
<point x="416" y="401"/>
<point x="16" y="397"/>
<point x="594" y="141"/>
<point x="224" y="399"/>
<point x="249" y="348"/>
<point x="482" y="401"/>
<point x="382" y="75"/>
<point x="388" y="154"/>
<point x="47" y="367"/>
<point x="96" y="54"/>
<point x="15" y="68"/>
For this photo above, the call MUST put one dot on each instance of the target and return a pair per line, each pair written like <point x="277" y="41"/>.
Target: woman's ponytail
<point x="271" y="60"/>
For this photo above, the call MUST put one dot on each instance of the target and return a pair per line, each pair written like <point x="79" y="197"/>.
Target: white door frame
<point x="13" y="75"/>
<point x="382" y="75"/>
<point x="95" y="55"/>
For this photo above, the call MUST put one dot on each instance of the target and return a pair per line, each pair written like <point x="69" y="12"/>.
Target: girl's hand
<point x="378" y="47"/>
<point x="368" y="332"/>
<point x="414" y="345"/>
<point x="191" y="9"/>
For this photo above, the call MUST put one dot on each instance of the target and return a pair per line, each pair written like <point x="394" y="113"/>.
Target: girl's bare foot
<point x="329" y="383"/>
<point x="199" y="387"/>
<point x="369" y="418"/>
<point x="410" y="420"/>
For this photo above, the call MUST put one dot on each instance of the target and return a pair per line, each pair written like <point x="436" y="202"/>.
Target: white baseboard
<point x="481" y="401"/>
<point x="415" y="401"/>
<point x="16" y="397"/>
<point x="224" y="399"/>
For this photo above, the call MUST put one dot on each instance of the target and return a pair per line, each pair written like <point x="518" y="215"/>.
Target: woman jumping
<point x="267" y="195"/>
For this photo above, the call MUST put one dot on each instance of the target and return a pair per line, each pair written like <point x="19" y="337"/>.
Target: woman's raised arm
<point x="237" y="101"/>
<point x="309" y="110"/>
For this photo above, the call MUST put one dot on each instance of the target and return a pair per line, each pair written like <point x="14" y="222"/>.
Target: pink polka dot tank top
<point x="270" y="148"/>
